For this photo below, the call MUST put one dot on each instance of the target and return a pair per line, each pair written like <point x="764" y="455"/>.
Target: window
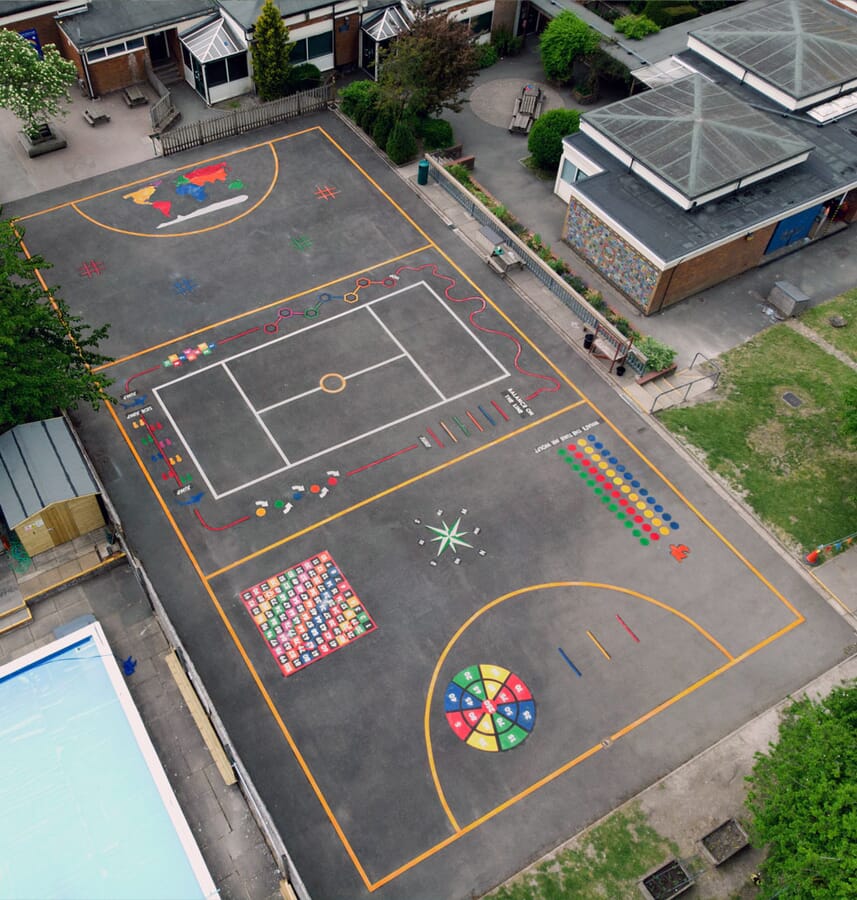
<point x="135" y="44"/>
<point x="481" y="24"/>
<point x="215" y="73"/>
<point x="186" y="57"/>
<point x="571" y="174"/>
<point x="115" y="49"/>
<point x="298" y="54"/>
<point x="95" y="55"/>
<point x="238" y="67"/>
<point x="320" y="45"/>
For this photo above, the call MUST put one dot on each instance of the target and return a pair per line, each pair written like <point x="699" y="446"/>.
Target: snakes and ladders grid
<point x="306" y="612"/>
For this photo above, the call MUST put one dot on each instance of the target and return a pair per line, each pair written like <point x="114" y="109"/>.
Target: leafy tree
<point x="428" y="68"/>
<point x="545" y="140"/>
<point x="803" y="800"/>
<point x="565" y="40"/>
<point x="33" y="89"/>
<point x="356" y="96"/>
<point x="46" y="353"/>
<point x="270" y="51"/>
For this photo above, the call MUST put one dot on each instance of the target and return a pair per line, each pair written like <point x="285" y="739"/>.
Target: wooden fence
<point x="204" y="132"/>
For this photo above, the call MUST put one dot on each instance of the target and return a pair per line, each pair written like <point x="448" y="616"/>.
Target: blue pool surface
<point x="81" y="815"/>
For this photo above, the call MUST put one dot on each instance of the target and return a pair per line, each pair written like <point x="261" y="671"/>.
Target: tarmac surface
<point x="719" y="317"/>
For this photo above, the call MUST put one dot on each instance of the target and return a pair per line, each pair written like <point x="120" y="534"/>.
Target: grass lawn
<point x="844" y="339"/>
<point x="604" y="863"/>
<point x="791" y="465"/>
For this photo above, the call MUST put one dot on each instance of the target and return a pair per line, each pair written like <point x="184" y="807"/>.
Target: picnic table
<point x="133" y="96"/>
<point x="528" y="107"/>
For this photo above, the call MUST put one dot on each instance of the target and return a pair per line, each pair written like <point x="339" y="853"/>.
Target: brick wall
<point x="710" y="268"/>
<point x="117" y="72"/>
<point x="46" y="29"/>
<point x="69" y="51"/>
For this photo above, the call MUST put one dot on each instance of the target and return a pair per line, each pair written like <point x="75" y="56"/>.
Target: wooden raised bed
<point x="724" y="842"/>
<point x="666" y="882"/>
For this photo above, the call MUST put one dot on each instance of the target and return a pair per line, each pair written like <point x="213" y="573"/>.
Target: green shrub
<point x="545" y="140"/>
<point x="658" y="355"/>
<point x="558" y="265"/>
<point x="382" y="127"/>
<point x="506" y="43"/>
<point x="666" y="14"/>
<point x="575" y="282"/>
<point x="357" y="94"/>
<point x="565" y="39"/>
<point x="436" y="134"/>
<point x="460" y="174"/>
<point x="402" y="143"/>
<point x="636" y="27"/>
<point x="486" y="55"/>
<point x="305" y="76"/>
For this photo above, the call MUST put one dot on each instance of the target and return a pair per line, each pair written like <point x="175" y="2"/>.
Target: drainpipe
<point x="86" y="74"/>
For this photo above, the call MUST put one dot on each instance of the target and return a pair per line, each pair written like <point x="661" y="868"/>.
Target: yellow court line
<point x="597" y="644"/>
<point x="827" y="590"/>
<point x="517" y="593"/>
<point x="390" y="490"/>
<point x="173" y="171"/>
<point x="258" y="309"/>
<point x="184" y="234"/>
<point x="243" y="653"/>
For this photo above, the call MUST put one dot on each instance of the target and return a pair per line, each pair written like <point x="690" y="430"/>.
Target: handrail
<point x="714" y="376"/>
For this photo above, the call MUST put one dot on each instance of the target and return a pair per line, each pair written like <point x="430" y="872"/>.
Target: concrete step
<point x="675" y="389"/>
<point x="168" y="74"/>
<point x="15" y="619"/>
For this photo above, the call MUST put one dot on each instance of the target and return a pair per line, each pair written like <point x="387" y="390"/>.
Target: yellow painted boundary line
<point x="387" y="491"/>
<point x="258" y="309"/>
<point x="105" y="563"/>
<point x="183" y="234"/>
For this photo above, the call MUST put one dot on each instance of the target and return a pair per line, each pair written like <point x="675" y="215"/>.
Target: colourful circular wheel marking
<point x="489" y="708"/>
<point x="332" y="383"/>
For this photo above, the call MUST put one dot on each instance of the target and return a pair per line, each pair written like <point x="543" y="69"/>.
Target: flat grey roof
<point x="801" y="47"/>
<point x="671" y="233"/>
<point x="696" y="136"/>
<point x="107" y="20"/>
<point x="40" y="465"/>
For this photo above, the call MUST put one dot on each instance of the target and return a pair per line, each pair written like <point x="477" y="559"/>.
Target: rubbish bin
<point x="588" y="340"/>
<point x="422" y="172"/>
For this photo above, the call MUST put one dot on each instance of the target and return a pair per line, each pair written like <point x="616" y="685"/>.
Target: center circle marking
<point x="332" y="383"/>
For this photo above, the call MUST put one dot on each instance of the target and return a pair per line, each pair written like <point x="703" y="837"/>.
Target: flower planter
<point x="46" y="140"/>
<point x="666" y="882"/>
<point x="724" y="842"/>
<point x="646" y="377"/>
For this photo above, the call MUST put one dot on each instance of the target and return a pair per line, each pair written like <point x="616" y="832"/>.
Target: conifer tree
<point x="270" y="50"/>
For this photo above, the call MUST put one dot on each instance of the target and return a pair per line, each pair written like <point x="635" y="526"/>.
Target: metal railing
<point x="713" y="376"/>
<point x="591" y="318"/>
<point x="162" y="109"/>
<point x="203" y="132"/>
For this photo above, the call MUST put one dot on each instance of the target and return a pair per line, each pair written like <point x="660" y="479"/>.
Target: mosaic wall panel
<point x="609" y="253"/>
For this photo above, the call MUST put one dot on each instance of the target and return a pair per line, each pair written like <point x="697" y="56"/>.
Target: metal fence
<point x="203" y="132"/>
<point x="163" y="108"/>
<point x="607" y="333"/>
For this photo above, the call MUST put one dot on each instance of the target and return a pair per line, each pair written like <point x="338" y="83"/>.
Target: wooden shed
<point x="47" y="493"/>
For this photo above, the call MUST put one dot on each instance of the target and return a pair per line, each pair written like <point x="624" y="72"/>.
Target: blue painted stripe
<point x="486" y="415"/>
<point x="563" y="654"/>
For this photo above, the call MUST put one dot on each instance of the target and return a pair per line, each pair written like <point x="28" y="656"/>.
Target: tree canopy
<point x="32" y="88"/>
<point x="565" y="40"/>
<point x="803" y="800"/>
<point x="428" y="68"/>
<point x="46" y="354"/>
<point x="271" y="51"/>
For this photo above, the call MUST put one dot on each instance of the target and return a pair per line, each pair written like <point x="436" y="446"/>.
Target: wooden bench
<point x="133" y="96"/>
<point x="95" y="118"/>
<point x="528" y="107"/>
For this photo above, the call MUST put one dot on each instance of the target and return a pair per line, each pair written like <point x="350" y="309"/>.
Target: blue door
<point x="795" y="228"/>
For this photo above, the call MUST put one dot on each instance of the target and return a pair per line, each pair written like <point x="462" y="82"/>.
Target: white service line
<point x="256" y="415"/>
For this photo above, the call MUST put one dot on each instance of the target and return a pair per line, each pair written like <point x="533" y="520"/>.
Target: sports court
<point x="452" y="598"/>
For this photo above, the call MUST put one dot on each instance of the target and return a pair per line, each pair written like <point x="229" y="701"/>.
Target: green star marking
<point x="449" y="536"/>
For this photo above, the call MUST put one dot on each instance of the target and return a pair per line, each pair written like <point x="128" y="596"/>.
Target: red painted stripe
<point x="164" y="455"/>
<point x="500" y="410"/>
<point x="382" y="459"/>
<point x="622" y="623"/>
<point x="205" y="524"/>
<point x="241" y="334"/>
<point x="435" y="438"/>
<point x="470" y="416"/>
<point x="144" y="372"/>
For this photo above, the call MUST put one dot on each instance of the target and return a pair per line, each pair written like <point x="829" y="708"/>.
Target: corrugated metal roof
<point x="696" y="136"/>
<point x="40" y="464"/>
<point x="798" y="46"/>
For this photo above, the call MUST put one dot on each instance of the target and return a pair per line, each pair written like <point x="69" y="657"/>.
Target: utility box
<point x="788" y="299"/>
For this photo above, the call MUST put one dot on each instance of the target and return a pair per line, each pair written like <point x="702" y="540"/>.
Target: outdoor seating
<point x="133" y="96"/>
<point x="95" y="118"/>
<point x="528" y="107"/>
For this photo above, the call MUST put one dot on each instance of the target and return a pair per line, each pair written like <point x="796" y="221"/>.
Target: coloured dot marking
<point x="666" y="517"/>
<point x="613" y="460"/>
<point x="664" y="531"/>
<point x="674" y="526"/>
<point x="648" y="513"/>
<point x="643" y="491"/>
<point x="658" y="507"/>
<point x="644" y="542"/>
<point x="261" y="511"/>
<point x="297" y="495"/>
<point x="314" y="488"/>
<point x="655" y="536"/>
<point x="279" y="504"/>
<point x="332" y="480"/>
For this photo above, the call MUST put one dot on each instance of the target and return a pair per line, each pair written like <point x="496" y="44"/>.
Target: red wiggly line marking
<point x="205" y="524"/>
<point x="239" y="335"/>
<point x="483" y="305"/>
<point x="382" y="459"/>
<point x="144" y="372"/>
<point x="164" y="455"/>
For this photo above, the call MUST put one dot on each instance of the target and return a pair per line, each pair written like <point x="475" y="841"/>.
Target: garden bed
<point x="724" y="842"/>
<point x="666" y="882"/>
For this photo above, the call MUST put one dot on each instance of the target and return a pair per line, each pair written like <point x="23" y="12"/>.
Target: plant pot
<point x="45" y="140"/>
<point x="668" y="881"/>
<point x="724" y="842"/>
